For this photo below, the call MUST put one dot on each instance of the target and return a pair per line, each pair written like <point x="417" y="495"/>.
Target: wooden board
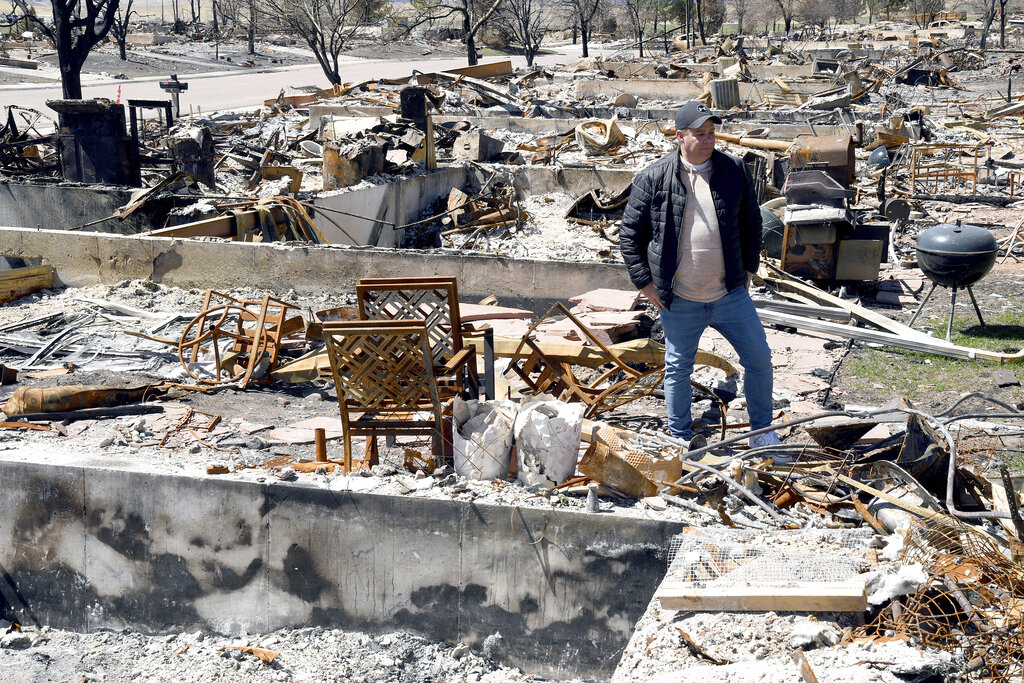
<point x="18" y="282"/>
<point x="490" y="70"/>
<point x="227" y="227"/>
<point x="802" y="597"/>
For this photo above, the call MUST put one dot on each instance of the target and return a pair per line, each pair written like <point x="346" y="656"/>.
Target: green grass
<point x="930" y="380"/>
<point x="1003" y="331"/>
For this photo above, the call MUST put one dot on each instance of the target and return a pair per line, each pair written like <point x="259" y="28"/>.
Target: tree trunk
<point x="470" y="42"/>
<point x="122" y="41"/>
<point x="1002" y="23"/>
<point x="71" y="80"/>
<point x="585" y="38"/>
<point x="250" y="32"/>
<point x="700" y="23"/>
<point x="989" y="17"/>
<point x="688" y="24"/>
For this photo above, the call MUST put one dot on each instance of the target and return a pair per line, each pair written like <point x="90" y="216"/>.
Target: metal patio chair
<point x="385" y="381"/>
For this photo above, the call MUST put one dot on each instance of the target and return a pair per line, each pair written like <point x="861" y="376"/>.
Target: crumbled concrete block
<point x="476" y="146"/>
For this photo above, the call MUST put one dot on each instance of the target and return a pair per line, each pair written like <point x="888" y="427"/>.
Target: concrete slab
<point x="12" y="244"/>
<point x="203" y="264"/>
<point x="77" y="259"/>
<point x="120" y="259"/>
<point x="49" y="206"/>
<point x="575" y="181"/>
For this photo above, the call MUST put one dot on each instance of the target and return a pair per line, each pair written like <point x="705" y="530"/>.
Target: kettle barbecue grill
<point x="955" y="256"/>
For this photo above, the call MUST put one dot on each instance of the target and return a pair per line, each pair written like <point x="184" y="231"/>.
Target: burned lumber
<point x="991" y="200"/>
<point x="800" y="597"/>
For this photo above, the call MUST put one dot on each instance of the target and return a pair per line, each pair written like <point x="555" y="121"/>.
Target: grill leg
<point x="923" y="302"/>
<point x="975" y="302"/>
<point x="952" y="308"/>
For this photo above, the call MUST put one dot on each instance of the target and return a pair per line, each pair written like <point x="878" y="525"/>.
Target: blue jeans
<point x="735" y="317"/>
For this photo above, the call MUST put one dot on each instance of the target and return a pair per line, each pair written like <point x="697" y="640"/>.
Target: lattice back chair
<point x="385" y="381"/>
<point x="435" y="300"/>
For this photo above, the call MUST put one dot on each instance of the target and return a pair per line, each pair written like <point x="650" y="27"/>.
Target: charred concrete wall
<point x="85" y="545"/>
<point x="370" y="213"/>
<point x="84" y="259"/>
<point x="63" y="207"/>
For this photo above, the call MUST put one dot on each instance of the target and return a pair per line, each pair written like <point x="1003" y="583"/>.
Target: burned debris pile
<point x="888" y="169"/>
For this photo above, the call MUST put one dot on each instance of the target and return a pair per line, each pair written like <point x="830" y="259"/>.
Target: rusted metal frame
<point x="966" y="605"/>
<point x="260" y="344"/>
<point x="454" y="341"/>
<point x="594" y="398"/>
<point x="918" y="169"/>
<point x="183" y="425"/>
<point x="1011" y="501"/>
<point x="617" y="394"/>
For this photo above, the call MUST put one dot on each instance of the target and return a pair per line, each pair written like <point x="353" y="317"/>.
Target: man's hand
<point x="652" y="296"/>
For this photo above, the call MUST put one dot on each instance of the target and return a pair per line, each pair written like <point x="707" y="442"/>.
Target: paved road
<point x="232" y="90"/>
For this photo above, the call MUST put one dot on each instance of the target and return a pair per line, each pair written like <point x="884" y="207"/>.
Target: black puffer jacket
<point x="650" y="224"/>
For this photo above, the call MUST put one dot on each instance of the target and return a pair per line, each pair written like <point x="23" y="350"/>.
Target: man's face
<point x="697" y="143"/>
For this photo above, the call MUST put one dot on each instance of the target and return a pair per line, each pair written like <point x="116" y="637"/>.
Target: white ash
<point x="547" y="235"/>
<point x="306" y="654"/>
<point x="757" y="647"/>
<point x="810" y="632"/>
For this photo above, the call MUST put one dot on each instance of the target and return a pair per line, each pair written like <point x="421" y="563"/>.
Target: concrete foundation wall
<point x="83" y="259"/>
<point x="63" y="207"/>
<point x="85" y="545"/>
<point x="532" y="180"/>
<point x="396" y="203"/>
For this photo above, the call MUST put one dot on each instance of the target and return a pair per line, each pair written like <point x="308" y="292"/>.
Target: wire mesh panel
<point x="976" y="449"/>
<point x="739" y="559"/>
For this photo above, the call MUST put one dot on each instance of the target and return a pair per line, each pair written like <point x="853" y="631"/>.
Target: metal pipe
<point x="976" y="394"/>
<point x="320" y="437"/>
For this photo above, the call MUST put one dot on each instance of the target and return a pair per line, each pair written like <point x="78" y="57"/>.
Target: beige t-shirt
<point x="700" y="271"/>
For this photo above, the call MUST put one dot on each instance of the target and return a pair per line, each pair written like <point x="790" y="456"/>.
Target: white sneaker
<point x="766" y="439"/>
<point x="771" y="439"/>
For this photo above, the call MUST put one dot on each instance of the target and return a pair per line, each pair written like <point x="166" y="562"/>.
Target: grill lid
<point x="956" y="239"/>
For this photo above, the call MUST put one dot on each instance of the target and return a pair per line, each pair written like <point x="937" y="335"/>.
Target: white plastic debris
<point x="884" y="586"/>
<point x="811" y="632"/>
<point x="482" y="438"/>
<point x="547" y="433"/>
<point x="893" y="547"/>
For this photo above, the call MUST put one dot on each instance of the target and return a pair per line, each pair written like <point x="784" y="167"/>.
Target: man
<point x="691" y="238"/>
